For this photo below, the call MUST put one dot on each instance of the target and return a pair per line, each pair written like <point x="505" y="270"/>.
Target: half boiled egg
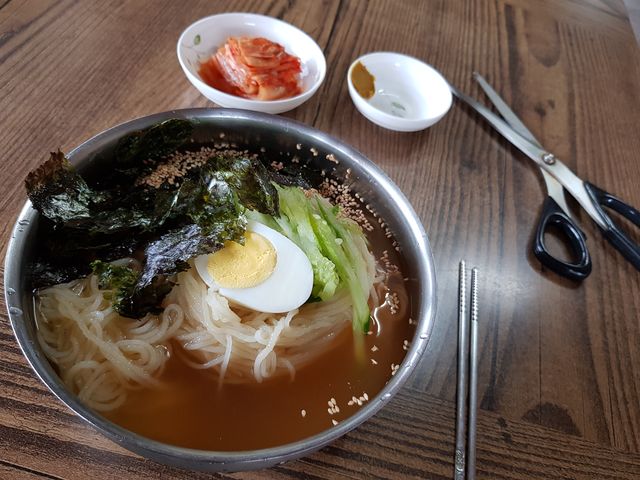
<point x="269" y="273"/>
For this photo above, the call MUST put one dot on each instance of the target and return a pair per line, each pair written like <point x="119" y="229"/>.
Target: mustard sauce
<point x="363" y="81"/>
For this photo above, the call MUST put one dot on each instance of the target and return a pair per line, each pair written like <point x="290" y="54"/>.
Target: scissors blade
<point x="554" y="188"/>
<point x="575" y="186"/>
<point x="531" y="150"/>
<point x="555" y="191"/>
<point x="504" y="109"/>
<point x="544" y="159"/>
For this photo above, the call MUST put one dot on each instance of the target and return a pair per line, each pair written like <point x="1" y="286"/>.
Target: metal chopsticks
<point x="463" y="367"/>
<point x="465" y="455"/>
<point x="473" y="378"/>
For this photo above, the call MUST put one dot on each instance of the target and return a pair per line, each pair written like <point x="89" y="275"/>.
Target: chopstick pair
<point x="465" y="455"/>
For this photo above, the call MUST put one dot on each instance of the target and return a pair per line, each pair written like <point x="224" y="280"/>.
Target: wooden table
<point x="560" y="362"/>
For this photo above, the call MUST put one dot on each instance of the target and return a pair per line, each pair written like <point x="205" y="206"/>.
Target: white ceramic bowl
<point x="409" y="94"/>
<point x="202" y="38"/>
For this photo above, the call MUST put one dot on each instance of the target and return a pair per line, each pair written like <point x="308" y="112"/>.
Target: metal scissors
<point x="555" y="211"/>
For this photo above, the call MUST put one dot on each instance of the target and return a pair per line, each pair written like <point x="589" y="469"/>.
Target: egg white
<point x="288" y="286"/>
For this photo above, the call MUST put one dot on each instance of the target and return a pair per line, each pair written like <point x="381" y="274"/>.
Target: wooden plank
<point x="558" y="360"/>
<point x="410" y="437"/>
<point x="13" y="472"/>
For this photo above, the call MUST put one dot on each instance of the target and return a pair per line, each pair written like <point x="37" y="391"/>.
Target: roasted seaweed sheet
<point x="86" y="227"/>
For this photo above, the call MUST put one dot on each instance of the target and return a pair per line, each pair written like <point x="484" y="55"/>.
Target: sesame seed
<point x="340" y="194"/>
<point x="176" y="165"/>
<point x="374" y="362"/>
<point x="393" y="301"/>
<point x="374" y="349"/>
<point x="303" y="413"/>
<point x="386" y="263"/>
<point x="298" y="146"/>
<point x="335" y="422"/>
<point x="332" y="158"/>
<point x="366" y="397"/>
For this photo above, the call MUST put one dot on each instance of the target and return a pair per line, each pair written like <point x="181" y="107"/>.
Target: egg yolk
<point x="243" y="266"/>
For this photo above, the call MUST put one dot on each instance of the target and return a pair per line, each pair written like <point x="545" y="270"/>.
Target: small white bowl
<point x="409" y="94"/>
<point x="202" y="38"/>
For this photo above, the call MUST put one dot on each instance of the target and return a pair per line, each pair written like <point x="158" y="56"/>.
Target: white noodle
<point x="255" y="343"/>
<point x="99" y="354"/>
<point x="102" y="356"/>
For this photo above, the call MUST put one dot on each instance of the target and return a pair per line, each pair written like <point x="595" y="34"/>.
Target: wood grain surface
<point x="560" y="362"/>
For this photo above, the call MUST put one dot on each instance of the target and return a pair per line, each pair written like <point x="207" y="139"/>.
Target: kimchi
<point x="253" y="67"/>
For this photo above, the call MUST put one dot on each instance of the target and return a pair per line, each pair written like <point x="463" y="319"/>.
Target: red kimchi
<point x="254" y="68"/>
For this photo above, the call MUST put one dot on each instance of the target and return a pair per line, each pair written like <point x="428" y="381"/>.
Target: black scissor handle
<point x="616" y="236"/>
<point x="552" y="214"/>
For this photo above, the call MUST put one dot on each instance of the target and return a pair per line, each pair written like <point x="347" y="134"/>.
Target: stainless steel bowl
<point x="278" y="136"/>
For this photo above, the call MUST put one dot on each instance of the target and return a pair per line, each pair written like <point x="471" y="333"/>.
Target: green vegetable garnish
<point x="332" y="243"/>
<point x="339" y="240"/>
<point x="295" y="222"/>
<point x="119" y="279"/>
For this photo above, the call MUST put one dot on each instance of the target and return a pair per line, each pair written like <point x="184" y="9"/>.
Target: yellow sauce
<point x="363" y="81"/>
<point x="243" y="266"/>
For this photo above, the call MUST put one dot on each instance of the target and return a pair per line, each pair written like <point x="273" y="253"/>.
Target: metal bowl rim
<point x="232" y="459"/>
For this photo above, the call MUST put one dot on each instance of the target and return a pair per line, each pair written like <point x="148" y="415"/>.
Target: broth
<point x="189" y="410"/>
